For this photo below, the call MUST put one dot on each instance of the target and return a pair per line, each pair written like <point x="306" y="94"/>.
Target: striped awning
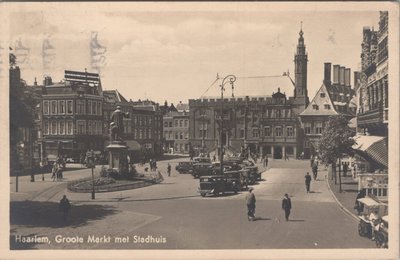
<point x="133" y="145"/>
<point x="374" y="146"/>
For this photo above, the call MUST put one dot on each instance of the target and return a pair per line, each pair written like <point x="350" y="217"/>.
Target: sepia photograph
<point x="204" y="130"/>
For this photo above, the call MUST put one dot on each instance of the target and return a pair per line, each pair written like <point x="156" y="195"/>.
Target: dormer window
<point x="315" y="107"/>
<point x="327" y="106"/>
<point x="322" y="95"/>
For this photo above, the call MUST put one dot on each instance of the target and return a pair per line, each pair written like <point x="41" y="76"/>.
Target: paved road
<point x="176" y="217"/>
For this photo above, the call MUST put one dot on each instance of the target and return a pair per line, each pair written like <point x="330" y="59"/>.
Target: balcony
<point x="372" y="116"/>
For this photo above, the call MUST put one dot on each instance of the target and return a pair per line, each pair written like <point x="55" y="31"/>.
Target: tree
<point x="336" y="142"/>
<point x="12" y="59"/>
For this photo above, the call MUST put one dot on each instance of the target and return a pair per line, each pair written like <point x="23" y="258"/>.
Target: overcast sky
<point x="174" y="54"/>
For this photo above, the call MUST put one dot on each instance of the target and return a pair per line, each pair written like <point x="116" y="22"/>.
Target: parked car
<point x="217" y="184"/>
<point x="184" y="167"/>
<point x="366" y="224"/>
<point x="202" y="160"/>
<point x="202" y="169"/>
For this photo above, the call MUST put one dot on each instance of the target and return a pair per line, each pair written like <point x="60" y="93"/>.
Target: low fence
<point x="137" y="183"/>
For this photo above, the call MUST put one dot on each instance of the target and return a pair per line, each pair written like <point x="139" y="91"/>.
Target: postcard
<point x="209" y="130"/>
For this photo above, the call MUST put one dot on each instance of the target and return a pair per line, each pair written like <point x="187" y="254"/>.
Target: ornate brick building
<point x="266" y="124"/>
<point x="372" y="114"/>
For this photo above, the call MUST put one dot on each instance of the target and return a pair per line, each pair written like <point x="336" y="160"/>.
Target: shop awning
<point x="369" y="202"/>
<point x="374" y="146"/>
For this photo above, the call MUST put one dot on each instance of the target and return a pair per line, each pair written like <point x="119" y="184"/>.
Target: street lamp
<point x="228" y="79"/>
<point x="91" y="164"/>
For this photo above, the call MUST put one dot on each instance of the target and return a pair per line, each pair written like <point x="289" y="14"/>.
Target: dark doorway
<point x="278" y="152"/>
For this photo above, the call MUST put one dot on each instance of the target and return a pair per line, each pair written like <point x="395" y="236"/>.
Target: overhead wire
<point x="243" y="77"/>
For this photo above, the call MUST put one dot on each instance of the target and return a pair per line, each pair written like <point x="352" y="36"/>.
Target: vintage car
<point x="202" y="169"/>
<point x="366" y="224"/>
<point x="184" y="167"/>
<point x="216" y="184"/>
<point x="202" y="160"/>
<point x="381" y="236"/>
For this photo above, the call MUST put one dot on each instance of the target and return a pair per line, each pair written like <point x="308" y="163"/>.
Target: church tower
<point x="300" y="68"/>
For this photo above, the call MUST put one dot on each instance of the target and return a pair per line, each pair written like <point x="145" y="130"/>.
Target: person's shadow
<point x="261" y="218"/>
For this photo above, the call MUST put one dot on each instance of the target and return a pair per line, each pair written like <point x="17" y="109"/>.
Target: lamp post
<point x="91" y="164"/>
<point x="228" y="79"/>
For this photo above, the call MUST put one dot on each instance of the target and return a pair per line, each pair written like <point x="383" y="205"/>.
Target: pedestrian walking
<point x="251" y="204"/>
<point x="155" y="164"/>
<point x="345" y="169"/>
<point x="286" y="206"/>
<point x="308" y="181"/>
<point x="151" y="164"/>
<point x="169" y="170"/>
<point x="266" y="161"/>
<point x="54" y="171"/>
<point x="311" y="161"/>
<point x="315" y="171"/>
<point x="64" y="207"/>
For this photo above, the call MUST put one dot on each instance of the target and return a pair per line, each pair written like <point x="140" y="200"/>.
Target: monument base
<point x="117" y="156"/>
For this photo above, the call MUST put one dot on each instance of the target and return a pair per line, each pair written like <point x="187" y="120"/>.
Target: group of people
<point x="153" y="165"/>
<point x="57" y="170"/>
<point x="251" y="205"/>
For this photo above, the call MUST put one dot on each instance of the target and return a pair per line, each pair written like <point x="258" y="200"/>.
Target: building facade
<point x="332" y="99"/>
<point x="176" y="132"/>
<point x="372" y="114"/>
<point x="71" y="114"/>
<point x="143" y="126"/>
<point x="265" y="124"/>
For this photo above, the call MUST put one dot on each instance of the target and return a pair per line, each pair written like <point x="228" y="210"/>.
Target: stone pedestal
<point x="117" y="156"/>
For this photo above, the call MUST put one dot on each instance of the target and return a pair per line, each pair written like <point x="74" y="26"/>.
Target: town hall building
<point x="267" y="125"/>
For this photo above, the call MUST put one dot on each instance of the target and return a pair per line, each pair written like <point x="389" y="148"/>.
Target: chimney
<point x="47" y="81"/>
<point x="347" y="75"/>
<point x="336" y="74"/>
<point x="327" y="73"/>
<point x="341" y="75"/>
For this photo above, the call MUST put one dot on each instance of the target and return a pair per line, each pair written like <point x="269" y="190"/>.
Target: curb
<point x="338" y="202"/>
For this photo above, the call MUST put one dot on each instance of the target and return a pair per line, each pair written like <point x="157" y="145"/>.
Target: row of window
<point x="318" y="128"/>
<point x="67" y="127"/>
<point x="142" y="120"/>
<point x="177" y="123"/>
<point x="326" y="106"/>
<point x="140" y="133"/>
<point x="276" y="131"/>
<point x="169" y="135"/>
<point x="66" y="107"/>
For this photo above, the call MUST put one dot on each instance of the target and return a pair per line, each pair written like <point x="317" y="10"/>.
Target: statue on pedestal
<point x="117" y="117"/>
<point x="114" y="132"/>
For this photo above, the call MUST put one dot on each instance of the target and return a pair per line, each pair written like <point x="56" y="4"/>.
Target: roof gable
<point x="321" y="104"/>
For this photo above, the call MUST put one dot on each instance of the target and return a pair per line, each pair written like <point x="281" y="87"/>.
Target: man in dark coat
<point x="286" y="206"/>
<point x="169" y="169"/>
<point x="251" y="204"/>
<point x="308" y="181"/>
<point x="64" y="207"/>
<point x="315" y="170"/>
